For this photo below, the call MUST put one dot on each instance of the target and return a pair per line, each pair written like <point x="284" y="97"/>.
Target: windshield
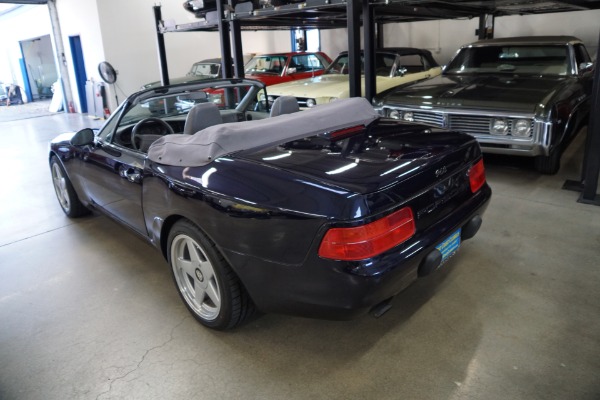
<point x="203" y="69"/>
<point x="266" y="64"/>
<point x="383" y="65"/>
<point x="233" y="100"/>
<point x="542" y="59"/>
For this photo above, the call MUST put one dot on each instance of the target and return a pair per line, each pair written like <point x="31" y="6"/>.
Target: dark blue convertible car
<point x="325" y="213"/>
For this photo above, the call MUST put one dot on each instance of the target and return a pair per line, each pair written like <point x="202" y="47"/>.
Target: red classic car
<point x="284" y="67"/>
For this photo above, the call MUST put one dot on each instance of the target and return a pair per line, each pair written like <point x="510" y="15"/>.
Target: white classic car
<point x="393" y="67"/>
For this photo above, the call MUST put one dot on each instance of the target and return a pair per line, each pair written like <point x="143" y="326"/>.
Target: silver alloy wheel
<point x="60" y="186"/>
<point x="195" y="277"/>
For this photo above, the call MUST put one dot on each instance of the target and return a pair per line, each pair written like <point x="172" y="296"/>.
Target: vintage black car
<point x="324" y="213"/>
<point x="524" y="96"/>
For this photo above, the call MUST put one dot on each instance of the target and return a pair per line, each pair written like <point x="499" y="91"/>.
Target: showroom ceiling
<point x="324" y="14"/>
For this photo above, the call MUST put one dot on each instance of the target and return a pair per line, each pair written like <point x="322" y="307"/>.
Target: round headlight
<point x="311" y="103"/>
<point x="522" y="128"/>
<point x="408" y="116"/>
<point x="394" y="114"/>
<point x="499" y="126"/>
<point x="215" y="98"/>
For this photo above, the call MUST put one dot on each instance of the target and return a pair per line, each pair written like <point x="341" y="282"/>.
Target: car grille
<point x="429" y="118"/>
<point x="471" y="124"/>
<point x="301" y="100"/>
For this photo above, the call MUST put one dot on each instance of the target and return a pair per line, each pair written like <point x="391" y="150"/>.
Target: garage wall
<point x="583" y="24"/>
<point x="123" y="33"/>
<point x="444" y="37"/>
<point x="28" y="22"/>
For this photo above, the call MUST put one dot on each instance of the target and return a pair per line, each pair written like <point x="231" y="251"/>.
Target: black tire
<point x="548" y="165"/>
<point x="206" y="283"/>
<point x="67" y="198"/>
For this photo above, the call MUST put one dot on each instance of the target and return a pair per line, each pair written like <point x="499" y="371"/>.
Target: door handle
<point x="133" y="175"/>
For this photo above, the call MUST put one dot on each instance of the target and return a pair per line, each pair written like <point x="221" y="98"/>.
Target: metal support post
<point x="236" y="39"/>
<point x="380" y="37"/>
<point x="60" y="56"/>
<point x="368" y="16"/>
<point x="481" y="30"/>
<point x="160" y="43"/>
<point x="588" y="185"/>
<point x="225" y="43"/>
<point x="353" y="25"/>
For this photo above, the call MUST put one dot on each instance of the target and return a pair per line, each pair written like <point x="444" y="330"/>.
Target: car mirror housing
<point x="291" y="71"/>
<point x="83" y="137"/>
<point x="586" y="66"/>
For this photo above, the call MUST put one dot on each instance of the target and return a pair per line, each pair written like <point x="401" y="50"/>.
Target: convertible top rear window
<point x="215" y="141"/>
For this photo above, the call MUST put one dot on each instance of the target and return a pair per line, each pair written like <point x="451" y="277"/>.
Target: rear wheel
<point x="206" y="283"/>
<point x="67" y="198"/>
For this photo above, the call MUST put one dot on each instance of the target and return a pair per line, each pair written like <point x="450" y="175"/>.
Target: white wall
<point x="334" y="41"/>
<point x="80" y="18"/>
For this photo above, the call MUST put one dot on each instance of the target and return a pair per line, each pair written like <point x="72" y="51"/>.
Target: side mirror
<point x="291" y="71"/>
<point x="83" y="138"/>
<point x="584" y="67"/>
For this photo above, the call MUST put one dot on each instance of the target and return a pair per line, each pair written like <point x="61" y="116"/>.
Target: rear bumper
<point x="329" y="289"/>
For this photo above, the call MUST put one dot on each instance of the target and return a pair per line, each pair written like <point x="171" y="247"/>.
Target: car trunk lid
<point x="388" y="163"/>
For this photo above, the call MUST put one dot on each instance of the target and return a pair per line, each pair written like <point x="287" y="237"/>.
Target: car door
<point x="113" y="173"/>
<point x="114" y="179"/>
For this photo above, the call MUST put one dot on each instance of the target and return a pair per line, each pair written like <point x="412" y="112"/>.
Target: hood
<point x="329" y="85"/>
<point x="484" y="92"/>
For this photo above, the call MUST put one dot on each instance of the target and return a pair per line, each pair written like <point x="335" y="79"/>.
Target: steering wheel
<point x="167" y="130"/>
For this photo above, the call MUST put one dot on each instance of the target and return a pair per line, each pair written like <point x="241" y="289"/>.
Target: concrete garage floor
<point x="89" y="311"/>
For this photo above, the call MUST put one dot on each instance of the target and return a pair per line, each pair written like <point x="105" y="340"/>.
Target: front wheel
<point x="67" y="198"/>
<point x="206" y="283"/>
<point x="548" y="165"/>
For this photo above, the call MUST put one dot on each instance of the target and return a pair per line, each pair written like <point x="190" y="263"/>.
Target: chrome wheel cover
<point x="60" y="186"/>
<point x="195" y="277"/>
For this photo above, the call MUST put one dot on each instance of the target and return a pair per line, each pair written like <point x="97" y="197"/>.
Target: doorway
<point x="79" y="67"/>
<point x="39" y="67"/>
<point x="306" y="40"/>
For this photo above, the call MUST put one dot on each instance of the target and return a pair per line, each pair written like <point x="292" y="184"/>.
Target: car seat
<point x="202" y="116"/>
<point x="284" y="105"/>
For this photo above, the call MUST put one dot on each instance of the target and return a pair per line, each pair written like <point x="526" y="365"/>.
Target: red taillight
<point x="346" y="132"/>
<point x="360" y="242"/>
<point x="477" y="176"/>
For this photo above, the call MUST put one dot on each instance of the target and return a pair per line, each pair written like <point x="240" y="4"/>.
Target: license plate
<point x="450" y="245"/>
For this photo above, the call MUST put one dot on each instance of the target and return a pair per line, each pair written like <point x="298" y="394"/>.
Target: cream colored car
<point x="393" y="67"/>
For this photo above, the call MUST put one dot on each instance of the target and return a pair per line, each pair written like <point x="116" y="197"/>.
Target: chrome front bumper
<point x="476" y="124"/>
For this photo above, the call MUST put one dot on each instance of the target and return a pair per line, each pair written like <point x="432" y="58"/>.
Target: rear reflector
<point x="361" y="242"/>
<point x="477" y="176"/>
